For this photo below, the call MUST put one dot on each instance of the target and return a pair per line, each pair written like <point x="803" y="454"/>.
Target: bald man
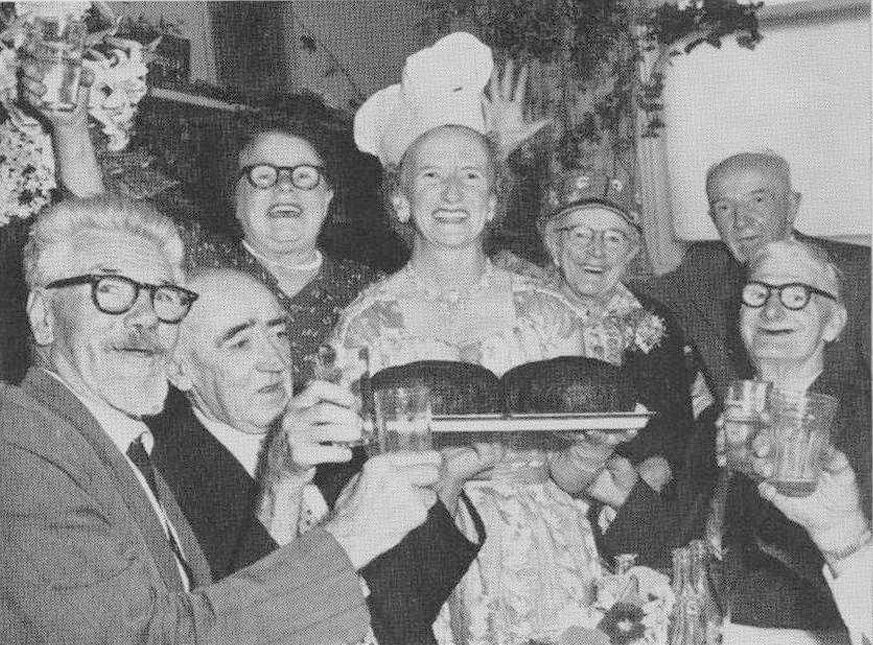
<point x="752" y="202"/>
<point x="231" y="376"/>
<point x="792" y="310"/>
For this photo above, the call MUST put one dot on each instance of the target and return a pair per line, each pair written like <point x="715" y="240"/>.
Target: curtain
<point x="653" y="181"/>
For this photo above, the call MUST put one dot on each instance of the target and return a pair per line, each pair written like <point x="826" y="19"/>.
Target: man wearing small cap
<point x="752" y="203"/>
<point x="589" y="228"/>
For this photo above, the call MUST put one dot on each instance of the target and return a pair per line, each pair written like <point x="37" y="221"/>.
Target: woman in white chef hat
<point x="533" y="576"/>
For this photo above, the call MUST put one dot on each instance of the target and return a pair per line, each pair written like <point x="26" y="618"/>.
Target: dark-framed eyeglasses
<point x="793" y="295"/>
<point x="615" y="241"/>
<point x="116" y="294"/>
<point x="266" y="175"/>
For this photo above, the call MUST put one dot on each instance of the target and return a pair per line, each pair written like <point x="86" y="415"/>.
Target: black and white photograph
<point x="436" y="322"/>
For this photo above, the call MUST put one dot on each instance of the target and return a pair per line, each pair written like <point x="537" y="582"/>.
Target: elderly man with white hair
<point x="792" y="309"/>
<point x="93" y="546"/>
<point x="752" y="203"/>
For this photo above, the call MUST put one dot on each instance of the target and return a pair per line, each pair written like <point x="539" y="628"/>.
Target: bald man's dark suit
<point x="408" y="584"/>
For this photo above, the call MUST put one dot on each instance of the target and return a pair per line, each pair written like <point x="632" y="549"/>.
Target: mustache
<point x="140" y="341"/>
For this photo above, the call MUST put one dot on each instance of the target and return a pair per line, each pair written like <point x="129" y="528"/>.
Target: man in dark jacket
<point x="752" y="203"/>
<point x="774" y="570"/>
<point x="231" y="366"/>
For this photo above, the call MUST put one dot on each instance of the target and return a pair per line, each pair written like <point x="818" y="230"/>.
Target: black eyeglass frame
<point x="808" y="290"/>
<point x="187" y="297"/>
<point x="321" y="171"/>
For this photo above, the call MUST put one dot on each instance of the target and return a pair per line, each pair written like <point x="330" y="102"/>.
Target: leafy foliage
<point x="593" y="42"/>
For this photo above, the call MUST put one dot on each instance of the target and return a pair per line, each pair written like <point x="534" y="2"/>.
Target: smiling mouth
<point x="598" y="271"/>
<point x="284" y="212"/>
<point x="777" y="332"/>
<point x="451" y="216"/>
<point x="144" y="352"/>
<point x="271" y="388"/>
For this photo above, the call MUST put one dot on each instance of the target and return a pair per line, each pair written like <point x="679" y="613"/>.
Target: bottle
<point x="697" y="617"/>
<point x="710" y="616"/>
<point x="685" y="620"/>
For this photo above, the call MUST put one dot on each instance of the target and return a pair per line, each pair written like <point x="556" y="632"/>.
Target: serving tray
<point x="556" y="422"/>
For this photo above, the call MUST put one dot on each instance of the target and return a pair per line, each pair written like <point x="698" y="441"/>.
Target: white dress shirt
<point x="853" y="593"/>
<point x="244" y="446"/>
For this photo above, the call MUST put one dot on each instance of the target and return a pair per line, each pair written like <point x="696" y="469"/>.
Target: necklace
<point x="451" y="297"/>
<point x="312" y="265"/>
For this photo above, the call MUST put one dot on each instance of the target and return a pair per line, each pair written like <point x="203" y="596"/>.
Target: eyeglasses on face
<point x="265" y="175"/>
<point x="793" y="295"/>
<point x="116" y="294"/>
<point x="615" y="241"/>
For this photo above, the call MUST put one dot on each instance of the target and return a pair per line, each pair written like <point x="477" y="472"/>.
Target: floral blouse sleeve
<point x="361" y="326"/>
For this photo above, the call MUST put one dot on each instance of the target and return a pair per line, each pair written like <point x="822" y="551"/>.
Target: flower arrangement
<point x="62" y="37"/>
<point x="641" y="330"/>
<point x="27" y="172"/>
<point x="636" y="605"/>
<point x="119" y="85"/>
<point x="632" y="607"/>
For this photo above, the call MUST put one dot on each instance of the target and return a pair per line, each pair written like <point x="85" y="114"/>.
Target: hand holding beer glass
<point x="744" y="417"/>
<point x="777" y="435"/>
<point x="402" y="419"/>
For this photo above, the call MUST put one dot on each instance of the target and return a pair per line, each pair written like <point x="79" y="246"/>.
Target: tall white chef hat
<point x="441" y="85"/>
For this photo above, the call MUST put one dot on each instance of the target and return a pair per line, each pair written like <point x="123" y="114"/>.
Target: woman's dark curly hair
<point x="394" y="178"/>
<point x="322" y="137"/>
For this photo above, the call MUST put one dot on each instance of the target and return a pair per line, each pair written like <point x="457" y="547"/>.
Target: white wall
<point x="192" y="18"/>
<point x="805" y="92"/>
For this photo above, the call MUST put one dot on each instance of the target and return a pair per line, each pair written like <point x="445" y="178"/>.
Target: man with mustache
<point x="752" y="203"/>
<point x="231" y="372"/>
<point x="94" y="547"/>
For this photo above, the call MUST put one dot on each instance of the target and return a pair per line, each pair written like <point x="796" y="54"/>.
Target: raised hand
<point x="321" y="413"/>
<point x="76" y="158"/>
<point x="506" y="115"/>
<point x="389" y="499"/>
<point x="317" y="419"/>
<point x="462" y="463"/>
<point x="33" y="90"/>
<point x="832" y="515"/>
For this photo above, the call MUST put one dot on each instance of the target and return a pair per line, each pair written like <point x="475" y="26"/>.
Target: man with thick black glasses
<point x="792" y="309"/>
<point x="93" y="545"/>
<point x="776" y="586"/>
<point x="752" y="202"/>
